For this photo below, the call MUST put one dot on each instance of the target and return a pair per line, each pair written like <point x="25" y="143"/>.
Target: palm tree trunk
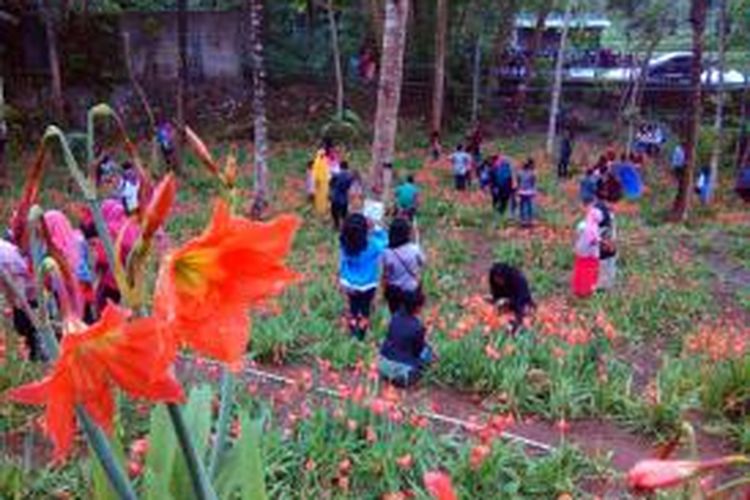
<point x="389" y="93"/>
<point x="438" y="86"/>
<point x="719" y="117"/>
<point x="554" y="108"/>
<point x="336" y="61"/>
<point x="260" y="139"/>
<point x="182" y="27"/>
<point x="682" y="200"/>
<point x="58" y="105"/>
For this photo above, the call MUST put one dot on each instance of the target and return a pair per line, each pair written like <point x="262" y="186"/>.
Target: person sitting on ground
<point x="509" y="288"/>
<point x="407" y="198"/>
<point x="359" y="268"/>
<point x="338" y="191"/>
<point x="461" y="161"/>
<point x="405" y="352"/>
<point x="403" y="262"/>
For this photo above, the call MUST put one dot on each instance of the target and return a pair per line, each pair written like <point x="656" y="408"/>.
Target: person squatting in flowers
<point x="509" y="288"/>
<point x="362" y="246"/>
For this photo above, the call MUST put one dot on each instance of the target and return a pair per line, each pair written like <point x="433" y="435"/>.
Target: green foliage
<point x="242" y="468"/>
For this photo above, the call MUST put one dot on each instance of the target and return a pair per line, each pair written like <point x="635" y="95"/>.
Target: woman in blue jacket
<point x="359" y="268"/>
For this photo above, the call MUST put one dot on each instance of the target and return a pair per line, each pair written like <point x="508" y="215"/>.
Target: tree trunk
<point x="682" y="200"/>
<point x="554" y="108"/>
<point x="58" y="104"/>
<point x="389" y="92"/>
<point x="742" y="136"/>
<point x="3" y="138"/>
<point x="719" y="117"/>
<point x="260" y="140"/>
<point x="336" y="61"/>
<point x="529" y="61"/>
<point x="475" y="80"/>
<point x="438" y="85"/>
<point x="376" y="18"/>
<point x="182" y="28"/>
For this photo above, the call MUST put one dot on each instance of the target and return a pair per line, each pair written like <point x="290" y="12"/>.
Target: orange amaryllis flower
<point x="654" y="474"/>
<point x="205" y="287"/>
<point x="159" y="206"/>
<point x="439" y="485"/>
<point x="115" y="351"/>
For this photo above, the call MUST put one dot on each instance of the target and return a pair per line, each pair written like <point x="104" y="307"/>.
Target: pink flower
<point x="654" y="474"/>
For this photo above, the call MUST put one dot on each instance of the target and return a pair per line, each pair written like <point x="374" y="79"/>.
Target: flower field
<point x="657" y="367"/>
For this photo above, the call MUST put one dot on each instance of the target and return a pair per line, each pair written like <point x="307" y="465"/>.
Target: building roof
<point x="555" y="21"/>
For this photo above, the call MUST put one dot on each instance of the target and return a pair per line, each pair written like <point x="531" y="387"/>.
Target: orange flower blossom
<point x="439" y="485"/>
<point x="115" y="351"/>
<point x="205" y="287"/>
<point x="653" y="474"/>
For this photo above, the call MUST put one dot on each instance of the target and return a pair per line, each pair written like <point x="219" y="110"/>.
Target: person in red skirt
<point x="586" y="264"/>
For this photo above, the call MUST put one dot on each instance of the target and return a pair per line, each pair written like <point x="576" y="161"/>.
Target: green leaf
<point x="242" y="468"/>
<point x="198" y="420"/>
<point x="100" y="485"/>
<point x="161" y="456"/>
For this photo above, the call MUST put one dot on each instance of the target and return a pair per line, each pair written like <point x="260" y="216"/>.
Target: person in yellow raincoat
<point x="325" y="164"/>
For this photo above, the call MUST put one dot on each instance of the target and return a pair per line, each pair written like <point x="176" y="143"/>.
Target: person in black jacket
<point x="405" y="353"/>
<point x="509" y="288"/>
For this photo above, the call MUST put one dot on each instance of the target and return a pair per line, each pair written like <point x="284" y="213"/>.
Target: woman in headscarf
<point x="326" y="164"/>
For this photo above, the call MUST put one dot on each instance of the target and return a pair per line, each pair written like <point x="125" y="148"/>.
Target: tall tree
<point x="719" y="116"/>
<point x="438" y="86"/>
<point x="336" y="50"/>
<point x="3" y="137"/>
<point x="389" y="92"/>
<point x="554" y="107"/>
<point x="50" y="28"/>
<point x="260" y="135"/>
<point x="681" y="205"/>
<point x="182" y="28"/>
<point x="543" y="9"/>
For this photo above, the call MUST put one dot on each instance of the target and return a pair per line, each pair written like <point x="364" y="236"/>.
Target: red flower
<point x="205" y="287"/>
<point x="478" y="455"/>
<point x="439" y="485"/>
<point x="94" y="359"/>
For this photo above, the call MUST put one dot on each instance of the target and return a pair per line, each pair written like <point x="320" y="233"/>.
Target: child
<point x="527" y="192"/>
<point x="339" y="194"/>
<point x="461" y="164"/>
<point x="508" y="286"/>
<point x="359" y="269"/>
<point x="407" y="198"/>
<point x="405" y="353"/>
<point x="165" y="139"/>
<point x="402" y="265"/>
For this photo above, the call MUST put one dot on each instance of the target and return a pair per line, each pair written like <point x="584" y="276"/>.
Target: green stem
<point x="96" y="438"/>
<point x="201" y="484"/>
<point x="222" y="426"/>
<point x="98" y="441"/>
<point x="103" y="232"/>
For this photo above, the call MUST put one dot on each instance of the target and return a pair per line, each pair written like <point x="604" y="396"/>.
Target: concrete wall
<point x="214" y="45"/>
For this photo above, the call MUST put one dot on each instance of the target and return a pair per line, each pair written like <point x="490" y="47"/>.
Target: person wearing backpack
<point x="609" y="192"/>
<point x="501" y="184"/>
<point x="339" y="194"/>
<point x="403" y="262"/>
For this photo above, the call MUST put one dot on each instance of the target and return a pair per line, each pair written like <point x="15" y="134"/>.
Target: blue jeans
<point x="526" y="208"/>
